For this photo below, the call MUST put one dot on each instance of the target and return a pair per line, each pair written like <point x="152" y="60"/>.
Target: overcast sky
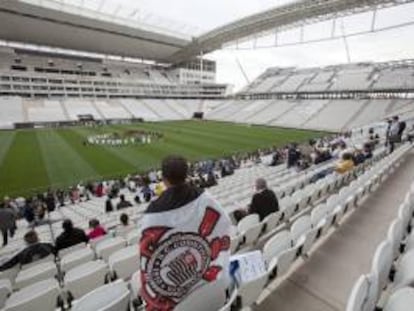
<point x="196" y="16"/>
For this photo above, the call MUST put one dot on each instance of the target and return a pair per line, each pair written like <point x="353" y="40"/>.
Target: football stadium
<point x="214" y="156"/>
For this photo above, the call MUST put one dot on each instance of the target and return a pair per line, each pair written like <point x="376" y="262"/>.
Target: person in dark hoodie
<point x="35" y="250"/>
<point x="185" y="244"/>
<point x="70" y="236"/>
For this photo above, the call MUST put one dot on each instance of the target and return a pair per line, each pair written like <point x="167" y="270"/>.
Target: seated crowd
<point x="179" y="208"/>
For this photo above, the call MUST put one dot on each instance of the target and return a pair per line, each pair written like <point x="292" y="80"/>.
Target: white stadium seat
<point x="109" y="246"/>
<point x="35" y="274"/>
<point x="111" y="297"/>
<point x="124" y="262"/>
<point x="76" y="257"/>
<point x="85" y="278"/>
<point x="5" y="290"/>
<point x="38" y="296"/>
<point x="401" y="300"/>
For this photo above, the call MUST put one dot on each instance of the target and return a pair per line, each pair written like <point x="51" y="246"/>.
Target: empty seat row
<point x="388" y="284"/>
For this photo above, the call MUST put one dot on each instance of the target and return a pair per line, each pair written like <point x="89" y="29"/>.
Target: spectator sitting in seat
<point x="345" y="164"/>
<point x="34" y="251"/>
<point x="178" y="230"/>
<point x="70" y="236"/>
<point x="264" y="202"/>
<point x="97" y="230"/>
<point x="123" y="203"/>
<point x="367" y="151"/>
<point x="358" y="157"/>
<point x="125" y="227"/>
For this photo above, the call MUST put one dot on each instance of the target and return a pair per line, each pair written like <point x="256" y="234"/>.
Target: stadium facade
<point x="61" y="62"/>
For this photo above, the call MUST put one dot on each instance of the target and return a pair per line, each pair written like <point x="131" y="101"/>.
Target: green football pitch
<point x="33" y="160"/>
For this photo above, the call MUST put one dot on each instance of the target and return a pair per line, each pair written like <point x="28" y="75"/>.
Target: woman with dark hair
<point x="96" y="229"/>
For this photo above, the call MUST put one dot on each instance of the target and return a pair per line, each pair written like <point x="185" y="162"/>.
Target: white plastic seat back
<point x="300" y="198"/>
<point x="85" y="278"/>
<point x="272" y="221"/>
<point x="76" y="258"/>
<point x="382" y="263"/>
<point x="318" y="214"/>
<point x="404" y="275"/>
<point x="124" y="262"/>
<point x="10" y="274"/>
<point x="5" y="290"/>
<point x="71" y="249"/>
<point x="135" y="284"/>
<point x="36" y="274"/>
<point x="310" y="238"/>
<point x="248" y="222"/>
<point x="133" y="237"/>
<point x="107" y="247"/>
<point x="250" y="291"/>
<point x="405" y="214"/>
<point x="252" y="234"/>
<point x="401" y="300"/>
<point x="211" y="296"/>
<point x="46" y="259"/>
<point x="287" y="206"/>
<point x="410" y="242"/>
<point x="111" y="297"/>
<point x="93" y="243"/>
<point x="285" y="260"/>
<point x="39" y="296"/>
<point x="276" y="245"/>
<point x="395" y="235"/>
<point x="300" y="227"/>
<point x="359" y="294"/>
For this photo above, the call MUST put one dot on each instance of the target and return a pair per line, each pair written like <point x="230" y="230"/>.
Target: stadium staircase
<point x="25" y="110"/>
<point x="120" y="103"/>
<point x="273" y="121"/>
<point x="324" y="282"/>
<point x="177" y="108"/>
<point x="355" y="115"/>
<point x="315" y="114"/>
<point x="65" y="110"/>
<point x="95" y="106"/>
<point x="154" y="111"/>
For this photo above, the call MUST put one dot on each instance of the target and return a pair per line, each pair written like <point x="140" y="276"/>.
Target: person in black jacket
<point x="34" y="251"/>
<point x="108" y="205"/>
<point x="70" y="236"/>
<point x="264" y="201"/>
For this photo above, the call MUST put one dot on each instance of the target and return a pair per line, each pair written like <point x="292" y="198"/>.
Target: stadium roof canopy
<point x="280" y="18"/>
<point x="76" y="26"/>
<point x="64" y="24"/>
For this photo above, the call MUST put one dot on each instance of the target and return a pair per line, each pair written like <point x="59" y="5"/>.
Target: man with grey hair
<point x="264" y="201"/>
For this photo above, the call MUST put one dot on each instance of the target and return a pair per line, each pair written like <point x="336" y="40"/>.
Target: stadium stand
<point x="322" y="239"/>
<point x="308" y="211"/>
<point x="349" y="77"/>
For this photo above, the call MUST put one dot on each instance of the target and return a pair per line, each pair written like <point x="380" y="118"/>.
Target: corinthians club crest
<point x="173" y="265"/>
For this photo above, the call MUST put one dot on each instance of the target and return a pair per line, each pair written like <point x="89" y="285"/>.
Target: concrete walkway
<point x="325" y="280"/>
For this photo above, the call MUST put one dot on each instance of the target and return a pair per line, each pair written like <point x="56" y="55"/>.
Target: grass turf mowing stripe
<point x="23" y="169"/>
<point x="6" y="140"/>
<point x="64" y="165"/>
